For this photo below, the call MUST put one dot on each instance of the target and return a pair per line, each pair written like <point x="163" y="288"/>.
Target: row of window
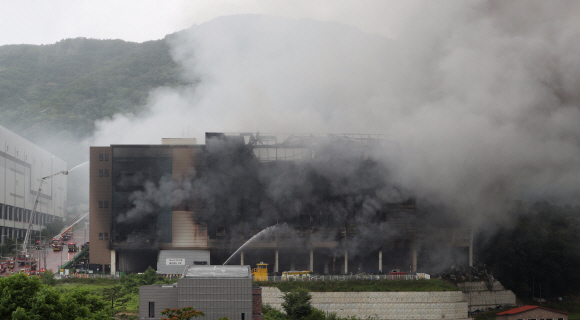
<point x="12" y="213"/>
<point x="25" y="156"/>
<point x="106" y="236"/>
<point x="106" y="157"/>
<point x="103" y="204"/>
<point x="104" y="173"/>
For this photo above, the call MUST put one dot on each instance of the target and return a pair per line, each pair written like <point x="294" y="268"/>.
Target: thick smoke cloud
<point x="478" y="99"/>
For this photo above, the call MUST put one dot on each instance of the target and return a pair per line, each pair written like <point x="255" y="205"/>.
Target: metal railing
<point x="74" y="260"/>
<point x="348" y="277"/>
<point x="93" y="275"/>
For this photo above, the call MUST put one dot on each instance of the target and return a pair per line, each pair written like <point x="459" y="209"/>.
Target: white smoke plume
<point x="480" y="98"/>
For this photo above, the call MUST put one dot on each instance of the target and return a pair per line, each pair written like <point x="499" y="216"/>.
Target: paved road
<point x="54" y="259"/>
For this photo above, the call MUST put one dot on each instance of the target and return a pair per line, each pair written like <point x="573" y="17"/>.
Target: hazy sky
<point x="44" y="22"/>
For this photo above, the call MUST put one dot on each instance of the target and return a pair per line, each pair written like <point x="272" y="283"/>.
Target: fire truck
<point x="21" y="258"/>
<point x="72" y="247"/>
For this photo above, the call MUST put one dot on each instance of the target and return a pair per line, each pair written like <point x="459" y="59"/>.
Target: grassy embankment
<point x="363" y="285"/>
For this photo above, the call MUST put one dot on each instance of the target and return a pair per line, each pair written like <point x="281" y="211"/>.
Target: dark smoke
<point x="480" y="99"/>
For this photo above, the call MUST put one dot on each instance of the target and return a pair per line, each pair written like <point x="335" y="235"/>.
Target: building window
<point x="100" y="157"/>
<point x="151" y="309"/>
<point x="100" y="236"/>
<point x="106" y="173"/>
<point x="243" y="316"/>
<point x="100" y="204"/>
<point x="106" y="236"/>
<point x="106" y="204"/>
<point x="100" y="172"/>
<point x="106" y="157"/>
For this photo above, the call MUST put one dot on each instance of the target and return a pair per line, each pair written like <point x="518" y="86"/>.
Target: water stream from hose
<point x="264" y="232"/>
<point x="80" y="165"/>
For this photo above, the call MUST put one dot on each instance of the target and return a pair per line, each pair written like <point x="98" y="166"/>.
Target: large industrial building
<point x="22" y="166"/>
<point x="331" y="204"/>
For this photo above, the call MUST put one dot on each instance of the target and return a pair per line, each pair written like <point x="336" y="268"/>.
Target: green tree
<point x="52" y="229"/>
<point x="185" y="313"/>
<point x="7" y="249"/>
<point x="26" y="298"/>
<point x="297" y="304"/>
<point x="47" y="277"/>
<point x="272" y="314"/>
<point x="117" y="296"/>
<point x="541" y="247"/>
<point x="132" y="282"/>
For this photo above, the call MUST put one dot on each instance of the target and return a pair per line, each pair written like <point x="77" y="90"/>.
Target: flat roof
<point x="218" y="271"/>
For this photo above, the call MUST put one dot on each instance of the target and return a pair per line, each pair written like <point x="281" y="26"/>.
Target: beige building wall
<point x="100" y="204"/>
<point x="186" y="232"/>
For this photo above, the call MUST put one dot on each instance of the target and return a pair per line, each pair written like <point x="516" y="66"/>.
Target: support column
<point x="311" y="266"/>
<point x="414" y="260"/>
<point x="276" y="262"/>
<point x="381" y="260"/>
<point x="326" y="271"/>
<point x="113" y="262"/>
<point x="242" y="257"/>
<point x="345" y="261"/>
<point x="471" y="248"/>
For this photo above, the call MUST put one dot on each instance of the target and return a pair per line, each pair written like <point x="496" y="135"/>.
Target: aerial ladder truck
<point x="24" y="257"/>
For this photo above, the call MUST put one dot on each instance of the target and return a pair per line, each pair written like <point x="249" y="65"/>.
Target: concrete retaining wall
<point x="480" y="298"/>
<point x="483" y="300"/>
<point x="480" y="286"/>
<point x="383" y="305"/>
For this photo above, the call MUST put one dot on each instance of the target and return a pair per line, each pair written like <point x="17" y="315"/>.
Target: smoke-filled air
<point x="478" y="102"/>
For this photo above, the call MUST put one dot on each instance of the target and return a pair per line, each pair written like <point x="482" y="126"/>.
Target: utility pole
<point x="2" y="247"/>
<point x="43" y="248"/>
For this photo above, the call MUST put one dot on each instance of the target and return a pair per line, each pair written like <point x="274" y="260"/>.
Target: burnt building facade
<point x="329" y="199"/>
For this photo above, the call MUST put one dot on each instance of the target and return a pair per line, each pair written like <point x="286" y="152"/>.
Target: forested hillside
<point x="540" y="251"/>
<point x="63" y="88"/>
